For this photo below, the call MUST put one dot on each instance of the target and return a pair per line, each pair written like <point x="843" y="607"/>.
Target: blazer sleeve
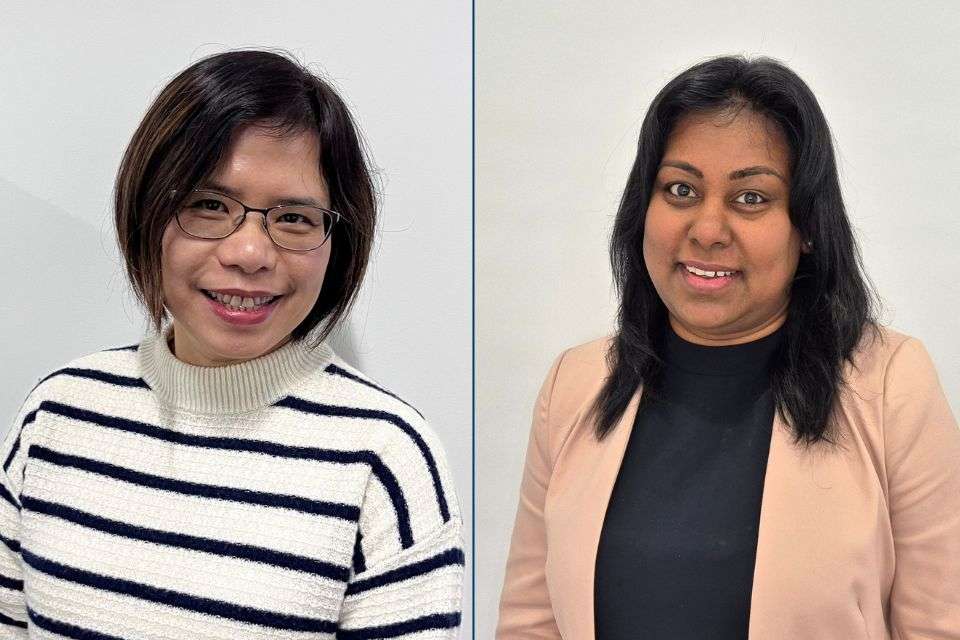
<point x="922" y="451"/>
<point x="525" y="610"/>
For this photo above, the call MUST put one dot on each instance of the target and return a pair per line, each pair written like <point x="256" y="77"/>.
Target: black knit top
<point x="679" y="540"/>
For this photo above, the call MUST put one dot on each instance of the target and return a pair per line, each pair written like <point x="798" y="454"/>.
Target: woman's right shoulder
<point x="571" y="387"/>
<point x="81" y="379"/>
<point x="580" y="370"/>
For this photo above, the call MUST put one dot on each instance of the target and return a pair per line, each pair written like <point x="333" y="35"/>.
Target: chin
<point x="239" y="348"/>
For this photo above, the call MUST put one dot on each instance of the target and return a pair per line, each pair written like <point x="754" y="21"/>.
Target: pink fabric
<point x="857" y="541"/>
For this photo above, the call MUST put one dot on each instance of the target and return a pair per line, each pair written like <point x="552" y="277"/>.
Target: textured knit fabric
<point x="284" y="497"/>
<point x="679" y="541"/>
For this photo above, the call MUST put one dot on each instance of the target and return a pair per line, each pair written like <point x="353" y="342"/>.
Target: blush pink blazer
<point x="860" y="541"/>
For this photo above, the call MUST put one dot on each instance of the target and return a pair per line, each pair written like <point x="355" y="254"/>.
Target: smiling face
<point x="262" y="170"/>
<point x="718" y="242"/>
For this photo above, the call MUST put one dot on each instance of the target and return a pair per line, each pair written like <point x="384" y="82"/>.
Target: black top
<point x="679" y="540"/>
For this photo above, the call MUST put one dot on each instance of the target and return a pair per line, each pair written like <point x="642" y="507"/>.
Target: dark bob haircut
<point x="188" y="130"/>
<point x="831" y="302"/>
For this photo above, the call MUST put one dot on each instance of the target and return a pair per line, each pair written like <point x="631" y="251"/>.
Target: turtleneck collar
<point x="235" y="388"/>
<point x="731" y="360"/>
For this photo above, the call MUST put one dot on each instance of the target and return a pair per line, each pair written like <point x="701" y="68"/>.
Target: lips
<point x="707" y="280"/>
<point x="705" y="268"/>
<point x="242" y="315"/>
<point x="237" y="302"/>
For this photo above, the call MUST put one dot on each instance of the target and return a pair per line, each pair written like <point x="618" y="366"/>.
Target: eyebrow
<point x="739" y="174"/>
<point x="282" y="202"/>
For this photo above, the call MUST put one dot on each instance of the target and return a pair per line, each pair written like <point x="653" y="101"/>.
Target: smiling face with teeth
<point x="240" y="297"/>
<point x="718" y="242"/>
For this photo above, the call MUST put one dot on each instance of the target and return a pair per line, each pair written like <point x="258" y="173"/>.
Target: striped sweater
<point x="284" y="497"/>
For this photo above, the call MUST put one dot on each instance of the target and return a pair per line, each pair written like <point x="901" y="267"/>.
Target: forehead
<point x="726" y="141"/>
<point x="260" y="162"/>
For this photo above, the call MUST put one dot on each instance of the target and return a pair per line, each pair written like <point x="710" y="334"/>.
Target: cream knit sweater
<point x="284" y="497"/>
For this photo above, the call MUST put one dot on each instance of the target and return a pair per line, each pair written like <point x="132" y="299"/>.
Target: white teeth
<point x="235" y="301"/>
<point x="708" y="274"/>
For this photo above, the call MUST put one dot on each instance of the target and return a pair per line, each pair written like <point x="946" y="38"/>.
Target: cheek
<point x="658" y="239"/>
<point x="777" y="252"/>
<point x="312" y="269"/>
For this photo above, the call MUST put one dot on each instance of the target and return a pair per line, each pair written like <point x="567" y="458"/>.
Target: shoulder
<point x="576" y="377"/>
<point x="886" y="357"/>
<point x="413" y="496"/>
<point x="342" y="389"/>
<point x="89" y="375"/>
<point x="77" y="386"/>
<point x="380" y="421"/>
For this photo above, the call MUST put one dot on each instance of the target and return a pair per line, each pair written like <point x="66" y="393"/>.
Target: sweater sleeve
<point x="922" y="445"/>
<point x="408" y="562"/>
<point x="13" y="608"/>
<point x="525" y="609"/>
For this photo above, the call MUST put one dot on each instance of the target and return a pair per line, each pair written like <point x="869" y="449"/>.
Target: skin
<point x="261" y="170"/>
<point x="740" y="222"/>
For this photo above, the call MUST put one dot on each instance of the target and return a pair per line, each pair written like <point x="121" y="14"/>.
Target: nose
<point x="709" y="226"/>
<point x="249" y="248"/>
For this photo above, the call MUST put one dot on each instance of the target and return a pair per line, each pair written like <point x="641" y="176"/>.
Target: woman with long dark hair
<point x="750" y="453"/>
<point x="230" y="476"/>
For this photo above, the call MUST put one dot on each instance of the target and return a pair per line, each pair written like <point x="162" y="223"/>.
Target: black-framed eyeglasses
<point x="211" y="215"/>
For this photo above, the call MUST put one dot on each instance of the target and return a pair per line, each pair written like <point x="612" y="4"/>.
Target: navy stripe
<point x="424" y="623"/>
<point x="66" y="630"/>
<point x="11" y="543"/>
<point x="299" y="404"/>
<point x="96" y="374"/>
<point x="27" y="419"/>
<point x="359" y="562"/>
<point x="183" y="541"/>
<point x="246" y="496"/>
<point x="6" y="495"/>
<point x="178" y="599"/>
<point x="448" y="558"/>
<point x="10" y="583"/>
<point x="13" y="623"/>
<point x="369" y="458"/>
<point x="130" y="347"/>
<point x="16" y="443"/>
<point x="339" y="371"/>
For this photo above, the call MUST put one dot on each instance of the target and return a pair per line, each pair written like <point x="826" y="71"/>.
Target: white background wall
<point x="75" y="79"/>
<point x="561" y="92"/>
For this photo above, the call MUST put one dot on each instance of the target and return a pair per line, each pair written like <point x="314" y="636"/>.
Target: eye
<point x="750" y="198"/>
<point x="295" y="218"/>
<point x="681" y="190"/>
<point x="208" y="204"/>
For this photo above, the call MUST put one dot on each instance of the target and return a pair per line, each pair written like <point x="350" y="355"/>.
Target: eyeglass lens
<point x="210" y="215"/>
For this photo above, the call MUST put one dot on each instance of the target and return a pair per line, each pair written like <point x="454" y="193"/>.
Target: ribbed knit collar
<point x="236" y="388"/>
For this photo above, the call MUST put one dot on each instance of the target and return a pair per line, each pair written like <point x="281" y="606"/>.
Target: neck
<point x="723" y="338"/>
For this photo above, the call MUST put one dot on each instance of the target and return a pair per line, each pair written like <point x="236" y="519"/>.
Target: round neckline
<point x="235" y="388"/>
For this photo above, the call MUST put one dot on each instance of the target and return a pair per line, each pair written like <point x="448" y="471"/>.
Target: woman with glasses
<point x="751" y="454"/>
<point x="230" y="476"/>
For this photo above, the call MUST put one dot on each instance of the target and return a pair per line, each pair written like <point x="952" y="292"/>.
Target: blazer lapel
<point x="584" y="475"/>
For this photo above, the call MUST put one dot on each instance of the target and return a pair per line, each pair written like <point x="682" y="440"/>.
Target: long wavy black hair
<point x="832" y="302"/>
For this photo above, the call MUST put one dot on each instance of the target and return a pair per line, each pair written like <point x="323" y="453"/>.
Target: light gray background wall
<point x="75" y="79"/>
<point x="561" y="91"/>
